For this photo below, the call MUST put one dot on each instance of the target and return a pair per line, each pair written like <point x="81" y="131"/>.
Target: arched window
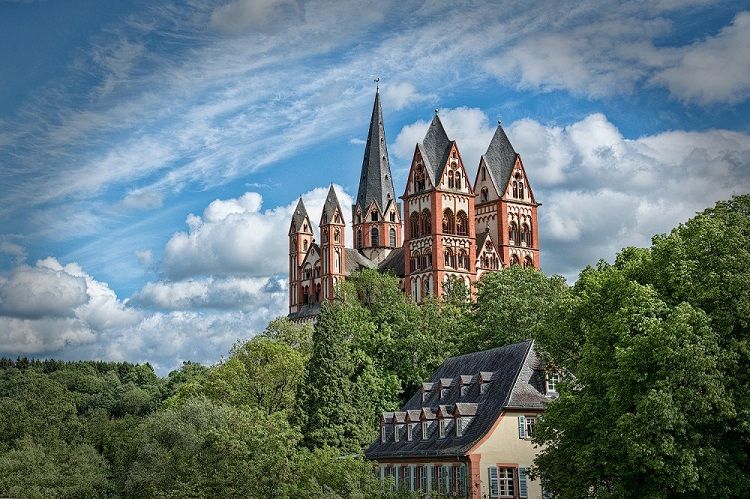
<point x="374" y="237"/>
<point x="450" y="179"/>
<point x="304" y="245"/>
<point x="449" y="223"/>
<point x="485" y="194"/>
<point x="515" y="189"/>
<point x="463" y="259"/>
<point x="359" y="238"/>
<point x="316" y="271"/>
<point x="462" y="224"/>
<point x="514" y="260"/>
<point x="525" y="235"/>
<point x="513" y="233"/>
<point x="414" y="225"/>
<point x="427" y="258"/>
<point x="337" y="262"/>
<point x="419" y="183"/>
<point x="520" y="190"/>
<point x="527" y="262"/>
<point x="374" y="215"/>
<point x="336" y="235"/>
<point x="393" y="216"/>
<point x="427" y="287"/>
<point x="414" y="261"/>
<point x="317" y="293"/>
<point x="426" y="222"/>
<point x="449" y="258"/>
<point x="392" y="237"/>
<point x="458" y="179"/>
<point x="306" y="295"/>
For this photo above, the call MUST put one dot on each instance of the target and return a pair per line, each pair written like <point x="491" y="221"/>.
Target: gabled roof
<point x="394" y="262"/>
<point x="500" y="159"/>
<point x="357" y="261"/>
<point x="331" y="205"/>
<point x="298" y="218"/>
<point x="375" y="181"/>
<point x="517" y="381"/>
<point x="435" y="148"/>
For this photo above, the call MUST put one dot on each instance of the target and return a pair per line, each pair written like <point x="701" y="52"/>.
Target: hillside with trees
<point x="654" y="350"/>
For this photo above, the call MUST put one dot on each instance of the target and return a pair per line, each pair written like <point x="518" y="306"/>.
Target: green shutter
<point x="521" y="426"/>
<point x="522" y="486"/>
<point x="494" y="485"/>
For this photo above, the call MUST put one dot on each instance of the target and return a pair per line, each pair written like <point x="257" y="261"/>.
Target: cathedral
<point x="443" y="227"/>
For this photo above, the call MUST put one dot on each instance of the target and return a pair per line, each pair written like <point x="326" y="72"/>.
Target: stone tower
<point x="332" y="245"/>
<point x="300" y="241"/>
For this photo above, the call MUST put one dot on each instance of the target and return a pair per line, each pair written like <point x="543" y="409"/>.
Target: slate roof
<point x="394" y="262"/>
<point x="305" y="311"/>
<point x="330" y="205"/>
<point x="435" y="148"/>
<point x="500" y="158"/>
<point x="300" y="213"/>
<point x="516" y="371"/>
<point x="375" y="181"/>
<point x="357" y="261"/>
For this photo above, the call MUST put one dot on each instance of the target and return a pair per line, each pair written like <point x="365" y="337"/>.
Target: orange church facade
<point x="443" y="228"/>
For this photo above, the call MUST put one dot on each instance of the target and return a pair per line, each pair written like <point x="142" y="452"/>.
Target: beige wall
<point x="504" y="447"/>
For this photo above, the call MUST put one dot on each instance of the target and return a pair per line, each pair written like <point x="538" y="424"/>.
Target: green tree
<point x="644" y="397"/>
<point x="512" y="305"/>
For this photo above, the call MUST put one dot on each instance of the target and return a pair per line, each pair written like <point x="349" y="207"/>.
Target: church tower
<point x="332" y="245"/>
<point x="300" y="240"/>
<point x="505" y="203"/>
<point x="376" y="216"/>
<point x="440" y="237"/>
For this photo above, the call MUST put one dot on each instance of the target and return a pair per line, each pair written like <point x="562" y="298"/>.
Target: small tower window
<point x="450" y="179"/>
<point x="337" y="235"/>
<point x="527" y="262"/>
<point x="392" y="237"/>
<point x="374" y="237"/>
<point x="449" y="223"/>
<point x="514" y="260"/>
<point x="485" y="194"/>
<point x="426" y="222"/>
<point x="374" y="216"/>
<point x="393" y="216"/>
<point x="359" y="238"/>
<point x="304" y="245"/>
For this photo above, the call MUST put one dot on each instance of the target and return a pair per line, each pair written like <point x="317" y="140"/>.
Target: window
<point x="446" y="475"/>
<point x="409" y="431"/>
<point x="414" y="225"/>
<point x="374" y="216"/>
<point x="461" y="424"/>
<point x="392" y="237"/>
<point x="523" y="488"/>
<point x="425" y="430"/>
<point x="420" y="478"/>
<point x="450" y="179"/>
<point x="304" y="245"/>
<point x="359" y="238"/>
<point x="513" y="235"/>
<point x="407" y="478"/>
<point x="383" y="437"/>
<point x="514" y="260"/>
<point x="505" y="482"/>
<point x="462" y="224"/>
<point x="397" y="432"/>
<point x="419" y="183"/>
<point x="448" y="254"/>
<point x="464" y="390"/>
<point x="443" y="426"/>
<point x="530" y="426"/>
<point x="443" y="393"/>
<point x="393" y="216"/>
<point x="458" y="180"/>
<point x="449" y="223"/>
<point x="337" y="262"/>
<point x="463" y="260"/>
<point x="515" y="189"/>
<point x="336" y="235"/>
<point x="527" y="262"/>
<point x="426" y="222"/>
<point x="485" y="193"/>
<point x="374" y="237"/>
<point x="520" y="190"/>
<point x="552" y="380"/>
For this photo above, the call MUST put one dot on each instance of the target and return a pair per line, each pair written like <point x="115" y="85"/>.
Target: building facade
<point x="467" y="432"/>
<point x="445" y="227"/>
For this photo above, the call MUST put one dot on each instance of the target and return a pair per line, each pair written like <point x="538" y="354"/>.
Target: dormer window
<point x="552" y="380"/>
<point x="396" y="432"/>
<point x="464" y="390"/>
<point x="383" y="437"/>
<point x="443" y="393"/>
<point x="409" y="431"/>
<point x="443" y="427"/>
<point x="425" y="429"/>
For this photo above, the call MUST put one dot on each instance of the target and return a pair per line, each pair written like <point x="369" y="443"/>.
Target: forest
<point x="654" y="349"/>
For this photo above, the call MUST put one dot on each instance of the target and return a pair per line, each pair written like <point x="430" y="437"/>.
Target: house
<point x="467" y="431"/>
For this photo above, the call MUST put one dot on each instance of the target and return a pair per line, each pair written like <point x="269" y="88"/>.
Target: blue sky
<point x="151" y="152"/>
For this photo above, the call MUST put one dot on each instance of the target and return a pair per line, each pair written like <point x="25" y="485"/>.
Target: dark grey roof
<point x="357" y="261"/>
<point x="500" y="159"/>
<point x="331" y="204"/>
<point x="481" y="239"/>
<point x="394" y="262"/>
<point x="507" y="365"/>
<point x="299" y="216"/>
<point x="435" y="148"/>
<point x="376" y="181"/>
<point x="305" y="311"/>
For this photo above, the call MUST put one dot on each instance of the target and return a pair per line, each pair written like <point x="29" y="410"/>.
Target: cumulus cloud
<point x="601" y="191"/>
<point x="714" y="69"/>
<point x="403" y="94"/>
<point x="235" y="236"/>
<point x="48" y="306"/>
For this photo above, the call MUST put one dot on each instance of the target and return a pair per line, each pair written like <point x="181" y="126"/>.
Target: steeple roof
<point x="435" y="148"/>
<point x="375" y="182"/>
<point x="331" y="204"/>
<point x="500" y="158"/>
<point x="300" y="214"/>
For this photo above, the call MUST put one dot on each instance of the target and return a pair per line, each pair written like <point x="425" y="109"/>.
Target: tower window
<point x="393" y="216"/>
<point x="419" y="183"/>
<point x="485" y="194"/>
<point x="462" y="224"/>
<point x="449" y="224"/>
<point x="426" y="222"/>
<point x="374" y="216"/>
<point x="450" y="179"/>
<point x="304" y="245"/>
<point x="336" y="235"/>
<point x="392" y="237"/>
<point x="359" y="238"/>
<point x="527" y="262"/>
<point x="374" y="237"/>
<point x="414" y="225"/>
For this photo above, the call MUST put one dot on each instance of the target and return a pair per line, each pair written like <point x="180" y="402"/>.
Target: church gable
<point x="518" y="187"/>
<point x="419" y="179"/>
<point x="484" y="185"/>
<point x="453" y="174"/>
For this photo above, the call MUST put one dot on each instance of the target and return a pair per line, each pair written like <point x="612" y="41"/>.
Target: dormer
<point x="485" y="378"/>
<point x="464" y="414"/>
<point x="385" y="419"/>
<point x="464" y="383"/>
<point x="412" y="421"/>
<point x="427" y="418"/>
<point x="444" y="386"/>
<point x="399" y="422"/>
<point x="444" y="418"/>
<point x="426" y="391"/>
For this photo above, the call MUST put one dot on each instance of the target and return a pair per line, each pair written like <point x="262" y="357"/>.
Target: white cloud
<point x="143" y="199"/>
<point x="35" y="292"/>
<point x="404" y="94"/>
<point x="257" y="15"/>
<point x="145" y="257"/>
<point x="234" y="236"/>
<point x="714" y="69"/>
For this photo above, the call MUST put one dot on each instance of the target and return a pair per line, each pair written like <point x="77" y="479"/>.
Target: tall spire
<point x="375" y="182"/>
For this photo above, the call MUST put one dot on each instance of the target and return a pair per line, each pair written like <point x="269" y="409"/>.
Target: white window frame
<point x="425" y="429"/>
<point x="530" y="426"/>
<point x="442" y="425"/>
<point x="506" y="484"/>
<point x="383" y="434"/>
<point x="409" y="431"/>
<point x="552" y="379"/>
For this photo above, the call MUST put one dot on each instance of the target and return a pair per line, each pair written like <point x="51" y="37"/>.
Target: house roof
<point x="500" y="158"/>
<point x="394" y="262"/>
<point x="517" y="380"/>
<point x="375" y="181"/>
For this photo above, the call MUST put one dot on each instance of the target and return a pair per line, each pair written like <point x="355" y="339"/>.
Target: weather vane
<point x="377" y="83"/>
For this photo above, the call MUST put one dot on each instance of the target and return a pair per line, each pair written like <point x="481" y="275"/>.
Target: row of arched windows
<point x="456" y="260"/>
<point x="458" y="224"/>
<point x="308" y="298"/>
<point x="420" y="224"/>
<point x="375" y="237"/>
<point x="527" y="261"/>
<point x="454" y="179"/>
<point x="421" y="261"/>
<point x="523" y="235"/>
<point x="490" y="262"/>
